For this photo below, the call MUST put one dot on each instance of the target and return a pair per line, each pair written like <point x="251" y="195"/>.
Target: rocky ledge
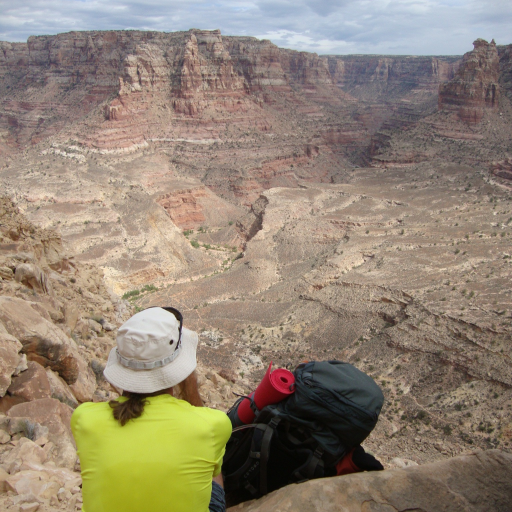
<point x="478" y="482"/>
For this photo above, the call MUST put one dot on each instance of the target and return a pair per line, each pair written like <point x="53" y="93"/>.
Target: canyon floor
<point x="402" y="270"/>
<point x="409" y="283"/>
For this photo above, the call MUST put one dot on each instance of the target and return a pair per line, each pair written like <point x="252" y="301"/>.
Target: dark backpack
<point x="333" y="410"/>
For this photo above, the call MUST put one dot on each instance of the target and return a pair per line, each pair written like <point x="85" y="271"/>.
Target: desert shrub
<point x="131" y="294"/>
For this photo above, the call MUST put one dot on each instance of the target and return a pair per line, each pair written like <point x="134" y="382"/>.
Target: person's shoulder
<point x="89" y="409"/>
<point x="217" y="419"/>
<point x="213" y="414"/>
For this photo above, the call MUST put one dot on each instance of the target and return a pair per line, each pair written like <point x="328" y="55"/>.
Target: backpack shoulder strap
<point x="268" y="433"/>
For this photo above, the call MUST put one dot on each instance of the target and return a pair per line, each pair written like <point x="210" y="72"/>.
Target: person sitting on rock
<point x="148" y="450"/>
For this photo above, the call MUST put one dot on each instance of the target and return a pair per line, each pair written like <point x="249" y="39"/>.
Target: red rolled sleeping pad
<point x="275" y="386"/>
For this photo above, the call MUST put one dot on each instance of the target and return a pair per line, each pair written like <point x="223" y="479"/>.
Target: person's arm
<point x="218" y="479"/>
<point x="189" y="390"/>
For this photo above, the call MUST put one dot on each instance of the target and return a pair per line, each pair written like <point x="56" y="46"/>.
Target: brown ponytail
<point x="132" y="408"/>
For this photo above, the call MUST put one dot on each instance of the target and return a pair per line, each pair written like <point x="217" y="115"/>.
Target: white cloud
<point x="323" y="26"/>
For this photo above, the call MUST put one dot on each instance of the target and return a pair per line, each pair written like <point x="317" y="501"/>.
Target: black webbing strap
<point x="265" y="452"/>
<point x="251" y="489"/>
<point x="253" y="406"/>
<point x="308" y="472"/>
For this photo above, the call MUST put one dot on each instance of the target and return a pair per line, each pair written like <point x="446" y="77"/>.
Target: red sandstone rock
<point x="36" y="383"/>
<point x="475" y="87"/>
<point x="183" y="208"/>
<point x="163" y="80"/>
<point x="31" y="384"/>
<point x="505" y="54"/>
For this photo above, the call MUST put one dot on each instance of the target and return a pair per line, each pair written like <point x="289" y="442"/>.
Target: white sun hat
<point x="150" y="354"/>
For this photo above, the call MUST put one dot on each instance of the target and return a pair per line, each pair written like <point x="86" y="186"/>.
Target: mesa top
<point x="162" y="461"/>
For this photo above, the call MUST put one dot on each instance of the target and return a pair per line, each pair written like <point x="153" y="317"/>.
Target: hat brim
<point x="149" y="381"/>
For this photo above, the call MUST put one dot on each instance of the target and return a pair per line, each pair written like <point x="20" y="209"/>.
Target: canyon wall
<point x="121" y="89"/>
<point x="373" y="77"/>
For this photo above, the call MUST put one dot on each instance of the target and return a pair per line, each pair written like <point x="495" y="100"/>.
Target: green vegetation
<point x="133" y="294"/>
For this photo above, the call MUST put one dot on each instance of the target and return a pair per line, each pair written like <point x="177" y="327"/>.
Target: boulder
<point x="31" y="384"/>
<point x="107" y="326"/>
<point x="9" y="358"/>
<point x="56" y="417"/>
<point x="33" y="484"/>
<point x="29" y="507"/>
<point x="83" y="388"/>
<point x="22" y="364"/>
<point x="42" y="481"/>
<point x="26" y="451"/>
<point x="48" y="345"/>
<point x="479" y="482"/>
<point x="7" y="401"/>
<point x="26" y="427"/>
<point x="94" y="326"/>
<point x="37" y="382"/>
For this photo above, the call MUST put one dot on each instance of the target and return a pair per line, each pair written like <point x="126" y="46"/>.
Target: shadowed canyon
<point x="292" y="206"/>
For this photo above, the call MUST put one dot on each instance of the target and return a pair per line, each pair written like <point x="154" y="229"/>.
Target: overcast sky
<point x="417" y="27"/>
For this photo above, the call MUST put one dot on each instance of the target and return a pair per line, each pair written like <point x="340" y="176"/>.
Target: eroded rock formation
<point x="475" y="87"/>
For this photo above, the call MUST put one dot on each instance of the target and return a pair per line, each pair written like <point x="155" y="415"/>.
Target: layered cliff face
<point x="475" y="87"/>
<point x="119" y="83"/>
<point x="120" y="90"/>
<point x="377" y="77"/>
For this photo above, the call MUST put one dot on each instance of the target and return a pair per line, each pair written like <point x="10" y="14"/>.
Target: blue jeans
<point x="218" y="499"/>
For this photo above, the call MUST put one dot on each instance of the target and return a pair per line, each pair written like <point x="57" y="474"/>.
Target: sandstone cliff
<point x="475" y="87"/>
<point x="379" y="77"/>
<point x="124" y="85"/>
